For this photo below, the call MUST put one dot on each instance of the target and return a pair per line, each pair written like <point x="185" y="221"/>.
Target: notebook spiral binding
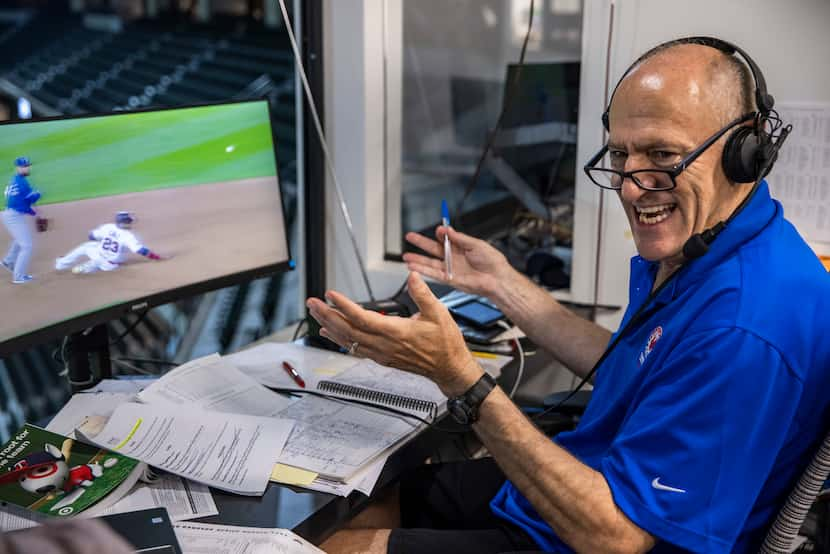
<point x="378" y="397"/>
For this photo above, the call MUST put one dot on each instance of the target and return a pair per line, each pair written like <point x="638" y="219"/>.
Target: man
<point x="19" y="219"/>
<point x="705" y="411"/>
<point x="108" y="247"/>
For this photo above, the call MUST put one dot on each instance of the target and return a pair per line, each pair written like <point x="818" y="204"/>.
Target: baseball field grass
<point x="76" y="159"/>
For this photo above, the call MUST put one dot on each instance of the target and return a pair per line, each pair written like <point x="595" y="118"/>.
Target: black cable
<point x="297" y="330"/>
<point x="635" y="319"/>
<point x="508" y="101"/>
<point x="132" y="326"/>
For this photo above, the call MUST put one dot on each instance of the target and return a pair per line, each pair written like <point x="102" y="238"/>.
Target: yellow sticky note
<point x="290" y="475"/>
<point x="326" y="371"/>
<point x="484" y="355"/>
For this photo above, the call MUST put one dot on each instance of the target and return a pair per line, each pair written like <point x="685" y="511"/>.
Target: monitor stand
<point x="87" y="357"/>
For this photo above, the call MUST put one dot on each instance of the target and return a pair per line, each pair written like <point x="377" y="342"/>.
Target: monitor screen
<point x="127" y="210"/>
<point x="544" y="93"/>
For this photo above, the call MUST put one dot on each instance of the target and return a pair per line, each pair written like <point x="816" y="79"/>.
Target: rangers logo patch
<point x="652" y="341"/>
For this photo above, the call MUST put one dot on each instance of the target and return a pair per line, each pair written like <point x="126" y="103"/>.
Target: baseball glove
<point x="42" y="224"/>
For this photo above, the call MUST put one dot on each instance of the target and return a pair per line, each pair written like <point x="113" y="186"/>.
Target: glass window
<point x="453" y="74"/>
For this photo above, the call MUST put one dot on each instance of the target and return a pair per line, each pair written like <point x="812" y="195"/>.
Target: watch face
<point x="458" y="410"/>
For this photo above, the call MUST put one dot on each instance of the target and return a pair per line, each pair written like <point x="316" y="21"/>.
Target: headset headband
<point x="763" y="100"/>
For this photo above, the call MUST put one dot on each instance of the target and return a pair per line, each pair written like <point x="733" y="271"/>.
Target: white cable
<point x="329" y="165"/>
<point x="520" y="371"/>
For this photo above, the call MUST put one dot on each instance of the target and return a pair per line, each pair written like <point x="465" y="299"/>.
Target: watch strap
<point x="471" y="400"/>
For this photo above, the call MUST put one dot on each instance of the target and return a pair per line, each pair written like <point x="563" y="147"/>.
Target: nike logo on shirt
<point x="661" y="487"/>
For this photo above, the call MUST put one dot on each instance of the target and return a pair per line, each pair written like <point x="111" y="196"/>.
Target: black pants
<point x="446" y="508"/>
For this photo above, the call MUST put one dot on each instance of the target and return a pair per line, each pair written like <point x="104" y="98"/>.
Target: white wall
<point x="788" y="39"/>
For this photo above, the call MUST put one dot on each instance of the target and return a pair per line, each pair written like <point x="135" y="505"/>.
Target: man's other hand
<point x="477" y="267"/>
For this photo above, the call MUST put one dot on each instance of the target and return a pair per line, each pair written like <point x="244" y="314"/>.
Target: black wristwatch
<point x="464" y="408"/>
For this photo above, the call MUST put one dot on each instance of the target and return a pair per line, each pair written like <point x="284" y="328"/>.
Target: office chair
<point x="791" y="517"/>
<point x="563" y="415"/>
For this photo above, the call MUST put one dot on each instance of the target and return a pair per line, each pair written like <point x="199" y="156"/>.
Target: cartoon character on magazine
<point x="48" y="473"/>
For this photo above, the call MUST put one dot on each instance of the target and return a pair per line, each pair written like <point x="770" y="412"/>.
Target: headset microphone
<point x="698" y="244"/>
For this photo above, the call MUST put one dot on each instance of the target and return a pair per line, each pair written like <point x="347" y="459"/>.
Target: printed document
<point x="214" y="384"/>
<point x="183" y="499"/>
<point x="202" y="538"/>
<point x="231" y="452"/>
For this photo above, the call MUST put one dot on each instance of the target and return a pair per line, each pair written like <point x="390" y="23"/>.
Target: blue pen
<point x="445" y="221"/>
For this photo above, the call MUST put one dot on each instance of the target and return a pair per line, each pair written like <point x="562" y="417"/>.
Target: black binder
<point x="149" y="531"/>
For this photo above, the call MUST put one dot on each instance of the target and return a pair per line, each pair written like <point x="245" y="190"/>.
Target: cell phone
<point x="477" y="313"/>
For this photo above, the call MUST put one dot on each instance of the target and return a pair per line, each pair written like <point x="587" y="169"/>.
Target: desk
<point x="314" y="515"/>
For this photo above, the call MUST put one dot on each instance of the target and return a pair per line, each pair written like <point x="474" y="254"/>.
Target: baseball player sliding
<point x="18" y="217"/>
<point x="108" y="247"/>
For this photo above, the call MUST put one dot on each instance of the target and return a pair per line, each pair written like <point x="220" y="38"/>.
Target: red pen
<point x="293" y="373"/>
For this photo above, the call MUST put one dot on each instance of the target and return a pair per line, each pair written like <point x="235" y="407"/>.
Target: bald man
<point x="702" y="416"/>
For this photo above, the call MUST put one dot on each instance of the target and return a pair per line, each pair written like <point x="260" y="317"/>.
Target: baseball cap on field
<point x="124" y="218"/>
<point x="22" y="161"/>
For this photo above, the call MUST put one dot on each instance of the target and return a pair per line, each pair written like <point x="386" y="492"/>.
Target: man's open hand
<point x="429" y="343"/>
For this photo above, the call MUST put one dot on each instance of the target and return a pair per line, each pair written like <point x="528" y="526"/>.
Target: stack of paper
<point x="236" y="434"/>
<point x="332" y="442"/>
<point x="326" y="452"/>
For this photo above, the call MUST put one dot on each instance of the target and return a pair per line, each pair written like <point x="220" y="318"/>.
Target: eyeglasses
<point x="653" y="178"/>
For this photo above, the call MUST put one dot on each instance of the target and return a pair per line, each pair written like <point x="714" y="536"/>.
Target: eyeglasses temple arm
<point x="710" y="141"/>
<point x="596" y="158"/>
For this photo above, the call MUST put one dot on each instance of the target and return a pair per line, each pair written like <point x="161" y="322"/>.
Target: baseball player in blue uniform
<point x="19" y="219"/>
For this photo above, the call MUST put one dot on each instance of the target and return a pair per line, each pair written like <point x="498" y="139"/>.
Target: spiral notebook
<point x="386" y="386"/>
<point x="388" y="399"/>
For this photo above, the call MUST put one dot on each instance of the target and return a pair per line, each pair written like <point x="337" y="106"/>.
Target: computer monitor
<point x="538" y="134"/>
<point x="196" y="186"/>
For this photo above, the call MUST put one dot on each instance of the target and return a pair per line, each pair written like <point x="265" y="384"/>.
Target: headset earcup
<point x="740" y="156"/>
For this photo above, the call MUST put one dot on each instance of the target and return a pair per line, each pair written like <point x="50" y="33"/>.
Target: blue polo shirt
<point x="707" y="411"/>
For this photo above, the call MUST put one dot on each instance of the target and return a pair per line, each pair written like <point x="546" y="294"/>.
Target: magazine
<point x="54" y="475"/>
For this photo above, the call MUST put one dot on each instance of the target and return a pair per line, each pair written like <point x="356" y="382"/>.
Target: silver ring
<point x="353" y="348"/>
